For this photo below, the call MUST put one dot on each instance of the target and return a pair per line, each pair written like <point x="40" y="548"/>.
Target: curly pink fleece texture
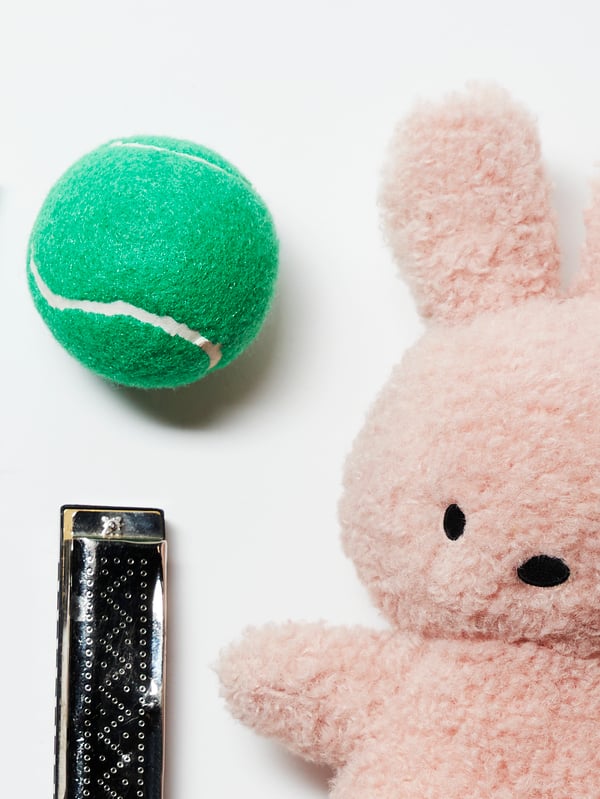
<point x="486" y="685"/>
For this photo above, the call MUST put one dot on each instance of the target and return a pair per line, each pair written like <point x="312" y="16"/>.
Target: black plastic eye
<point x="454" y="522"/>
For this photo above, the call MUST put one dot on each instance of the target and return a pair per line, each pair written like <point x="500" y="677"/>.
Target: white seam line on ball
<point x="156" y="148"/>
<point x="122" y="308"/>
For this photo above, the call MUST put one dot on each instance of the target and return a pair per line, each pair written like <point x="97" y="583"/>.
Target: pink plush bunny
<point x="471" y="505"/>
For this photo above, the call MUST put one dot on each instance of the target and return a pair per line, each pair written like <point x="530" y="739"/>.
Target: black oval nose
<point x="544" y="571"/>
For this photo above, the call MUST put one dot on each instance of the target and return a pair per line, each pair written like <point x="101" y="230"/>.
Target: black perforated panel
<point x="114" y="741"/>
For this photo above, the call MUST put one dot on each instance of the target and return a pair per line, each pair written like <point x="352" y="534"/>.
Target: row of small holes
<point x="125" y="758"/>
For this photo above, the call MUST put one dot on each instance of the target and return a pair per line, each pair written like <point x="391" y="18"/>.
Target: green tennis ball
<point x="153" y="261"/>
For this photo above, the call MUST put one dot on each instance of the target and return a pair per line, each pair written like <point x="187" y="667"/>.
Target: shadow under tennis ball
<point x="218" y="394"/>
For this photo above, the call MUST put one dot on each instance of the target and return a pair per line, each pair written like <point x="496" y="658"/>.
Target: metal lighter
<point x="110" y="696"/>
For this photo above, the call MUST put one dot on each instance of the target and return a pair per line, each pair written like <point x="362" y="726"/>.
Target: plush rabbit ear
<point x="466" y="206"/>
<point x="588" y="279"/>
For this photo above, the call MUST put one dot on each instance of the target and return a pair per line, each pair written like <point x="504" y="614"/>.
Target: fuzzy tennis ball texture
<point x="153" y="261"/>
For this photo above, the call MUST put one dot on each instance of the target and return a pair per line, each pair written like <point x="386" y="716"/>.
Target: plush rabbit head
<point x="472" y="495"/>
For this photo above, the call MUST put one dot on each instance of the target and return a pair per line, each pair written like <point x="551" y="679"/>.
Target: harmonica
<point x="110" y="691"/>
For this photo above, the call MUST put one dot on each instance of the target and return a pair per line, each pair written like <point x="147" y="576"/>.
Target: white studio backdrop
<point x="247" y="463"/>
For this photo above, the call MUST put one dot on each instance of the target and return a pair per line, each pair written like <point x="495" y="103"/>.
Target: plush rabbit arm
<point x="314" y="688"/>
<point x="466" y="206"/>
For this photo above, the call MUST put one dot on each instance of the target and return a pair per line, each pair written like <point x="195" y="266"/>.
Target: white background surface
<point x="247" y="463"/>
